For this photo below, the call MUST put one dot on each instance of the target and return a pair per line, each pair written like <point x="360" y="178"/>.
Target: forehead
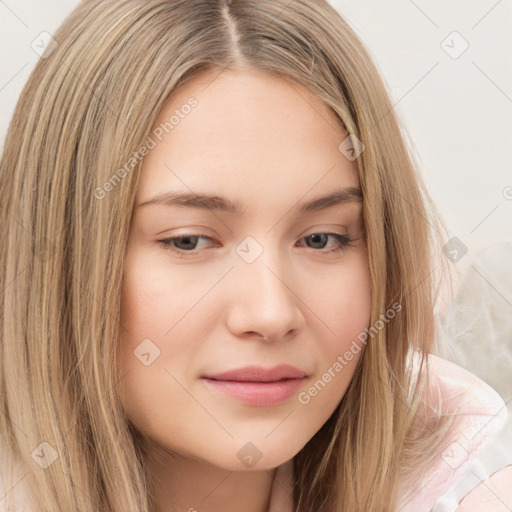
<point x="251" y="132"/>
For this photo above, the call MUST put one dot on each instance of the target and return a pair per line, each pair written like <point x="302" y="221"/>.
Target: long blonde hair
<point x="89" y="104"/>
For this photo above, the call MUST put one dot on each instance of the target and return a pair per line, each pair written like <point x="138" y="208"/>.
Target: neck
<point x="194" y="485"/>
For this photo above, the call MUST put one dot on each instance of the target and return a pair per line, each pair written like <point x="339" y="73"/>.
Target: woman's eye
<point x="185" y="241"/>
<point x="340" y="241"/>
<point x="186" y="245"/>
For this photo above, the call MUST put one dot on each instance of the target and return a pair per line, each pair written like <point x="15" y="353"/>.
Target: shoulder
<point x="494" y="494"/>
<point x="479" y="413"/>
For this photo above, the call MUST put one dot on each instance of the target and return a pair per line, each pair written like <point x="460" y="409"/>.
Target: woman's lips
<point x="257" y="393"/>
<point x="259" y="373"/>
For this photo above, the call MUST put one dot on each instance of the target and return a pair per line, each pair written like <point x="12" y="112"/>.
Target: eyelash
<point x="343" y="241"/>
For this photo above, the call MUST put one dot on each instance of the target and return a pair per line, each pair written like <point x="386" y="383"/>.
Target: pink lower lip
<point x="258" y="393"/>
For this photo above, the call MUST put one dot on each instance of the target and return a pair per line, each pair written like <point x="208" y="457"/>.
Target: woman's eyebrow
<point x="222" y="204"/>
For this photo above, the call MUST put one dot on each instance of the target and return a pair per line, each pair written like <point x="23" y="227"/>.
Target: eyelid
<point x="321" y="228"/>
<point x="325" y="228"/>
<point x="341" y="242"/>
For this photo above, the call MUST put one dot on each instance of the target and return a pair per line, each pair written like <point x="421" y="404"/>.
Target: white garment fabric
<point x="476" y="333"/>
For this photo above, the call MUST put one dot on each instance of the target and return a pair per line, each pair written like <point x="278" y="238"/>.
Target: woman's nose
<point x="265" y="296"/>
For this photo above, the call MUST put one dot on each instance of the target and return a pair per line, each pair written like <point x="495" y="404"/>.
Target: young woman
<point x="218" y="274"/>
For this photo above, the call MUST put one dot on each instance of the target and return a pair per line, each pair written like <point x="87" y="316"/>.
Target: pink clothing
<point x="481" y="415"/>
<point x="494" y="494"/>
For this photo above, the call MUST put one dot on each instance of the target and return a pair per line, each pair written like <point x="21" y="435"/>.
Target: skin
<point x="270" y="144"/>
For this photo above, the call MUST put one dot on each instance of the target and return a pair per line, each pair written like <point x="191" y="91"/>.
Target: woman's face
<point x="270" y="285"/>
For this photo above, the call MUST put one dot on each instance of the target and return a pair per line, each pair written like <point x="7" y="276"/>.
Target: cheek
<point x="142" y="323"/>
<point x="155" y="301"/>
<point x="152" y="300"/>
<point x="344" y="308"/>
<point x="344" y="303"/>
